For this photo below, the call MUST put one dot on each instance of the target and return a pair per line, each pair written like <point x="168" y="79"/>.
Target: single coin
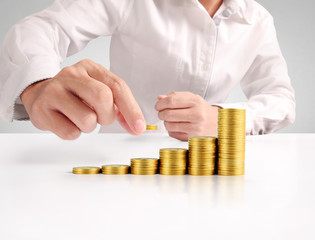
<point x="86" y="170"/>
<point x="152" y="127"/>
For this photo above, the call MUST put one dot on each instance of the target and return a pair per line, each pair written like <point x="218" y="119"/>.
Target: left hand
<point x="187" y="115"/>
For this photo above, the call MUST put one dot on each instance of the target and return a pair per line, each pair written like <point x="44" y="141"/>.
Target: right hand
<point x="79" y="97"/>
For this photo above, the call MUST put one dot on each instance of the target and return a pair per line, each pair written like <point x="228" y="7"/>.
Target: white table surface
<point x="41" y="199"/>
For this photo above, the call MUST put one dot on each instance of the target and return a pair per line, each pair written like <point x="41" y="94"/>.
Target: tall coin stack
<point x="231" y="141"/>
<point x="144" y="166"/>
<point x="202" y="155"/>
<point x="173" y="161"/>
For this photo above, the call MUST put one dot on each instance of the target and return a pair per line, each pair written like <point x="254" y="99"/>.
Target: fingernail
<point x="139" y="126"/>
<point x="162" y="96"/>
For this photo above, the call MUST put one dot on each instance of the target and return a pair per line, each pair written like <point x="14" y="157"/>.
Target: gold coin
<point x="115" y="169"/>
<point x="173" y="150"/>
<point x="152" y="127"/>
<point x="86" y="170"/>
<point x="144" y="160"/>
<point x="143" y="172"/>
<point x="164" y="171"/>
<point x="200" y="173"/>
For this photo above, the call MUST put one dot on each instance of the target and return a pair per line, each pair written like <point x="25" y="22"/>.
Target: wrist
<point x="31" y="88"/>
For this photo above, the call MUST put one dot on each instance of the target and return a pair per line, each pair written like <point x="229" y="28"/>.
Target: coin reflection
<point x="172" y="184"/>
<point x="201" y="191"/>
<point x="144" y="181"/>
<point x="230" y="192"/>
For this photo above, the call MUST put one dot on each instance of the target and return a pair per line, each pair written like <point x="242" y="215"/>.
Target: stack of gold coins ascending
<point x="173" y="161"/>
<point x="231" y="141"/>
<point x="151" y="127"/>
<point x="86" y="170"/>
<point x="202" y="155"/>
<point x="115" y="169"/>
<point x="144" y="166"/>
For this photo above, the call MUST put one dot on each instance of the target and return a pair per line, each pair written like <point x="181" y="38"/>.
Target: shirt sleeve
<point x="35" y="47"/>
<point x="271" y="101"/>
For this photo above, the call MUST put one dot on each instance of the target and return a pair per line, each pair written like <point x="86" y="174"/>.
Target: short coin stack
<point x="86" y="170"/>
<point x="173" y="161"/>
<point x="144" y="166"/>
<point x="231" y="141"/>
<point x="115" y="169"/>
<point x="202" y="155"/>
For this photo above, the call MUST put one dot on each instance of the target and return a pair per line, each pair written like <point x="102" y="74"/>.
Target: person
<point x="174" y="61"/>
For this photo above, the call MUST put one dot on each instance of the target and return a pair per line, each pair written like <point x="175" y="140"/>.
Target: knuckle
<point x="37" y="106"/>
<point x="109" y="119"/>
<point x="160" y="115"/>
<point x="37" y="123"/>
<point x="167" y="125"/>
<point x="198" y="99"/>
<point x="172" y="134"/>
<point x="70" y="133"/>
<point x="200" y="116"/>
<point x="171" y="101"/>
<point x="89" y="122"/>
<point x="54" y="89"/>
<point x="103" y="95"/>
<point x="86" y="61"/>
<point x="118" y="85"/>
<point x="69" y="71"/>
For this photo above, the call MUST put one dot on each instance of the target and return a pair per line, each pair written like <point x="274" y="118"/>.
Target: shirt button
<point x="205" y="67"/>
<point x="10" y="110"/>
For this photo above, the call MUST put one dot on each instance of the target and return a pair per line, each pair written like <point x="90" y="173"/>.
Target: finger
<point x="122" y="96"/>
<point x="96" y="95"/>
<point x="177" y="115"/>
<point x="161" y="97"/>
<point x="77" y="112"/>
<point x="122" y="121"/>
<point x="179" y="135"/>
<point x="177" y="100"/>
<point x="62" y="126"/>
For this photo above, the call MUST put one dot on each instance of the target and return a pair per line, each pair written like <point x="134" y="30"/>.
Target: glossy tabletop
<point x="41" y="199"/>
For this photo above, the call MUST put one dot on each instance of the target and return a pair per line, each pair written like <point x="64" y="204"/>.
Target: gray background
<point x="294" y="21"/>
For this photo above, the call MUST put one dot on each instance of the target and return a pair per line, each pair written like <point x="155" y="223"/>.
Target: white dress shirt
<point x="158" y="46"/>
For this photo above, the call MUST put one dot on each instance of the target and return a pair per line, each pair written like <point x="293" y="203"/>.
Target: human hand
<point x="79" y="97"/>
<point x="186" y="115"/>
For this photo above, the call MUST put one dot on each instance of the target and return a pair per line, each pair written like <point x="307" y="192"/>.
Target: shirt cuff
<point x="18" y="79"/>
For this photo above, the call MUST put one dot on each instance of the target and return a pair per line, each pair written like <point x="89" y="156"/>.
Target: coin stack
<point x="144" y="166"/>
<point x="115" y="169"/>
<point x="202" y="155"/>
<point x="231" y="141"/>
<point x="86" y="170"/>
<point x="173" y="161"/>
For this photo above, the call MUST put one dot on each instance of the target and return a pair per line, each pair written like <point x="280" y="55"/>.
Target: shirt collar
<point x="234" y="7"/>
